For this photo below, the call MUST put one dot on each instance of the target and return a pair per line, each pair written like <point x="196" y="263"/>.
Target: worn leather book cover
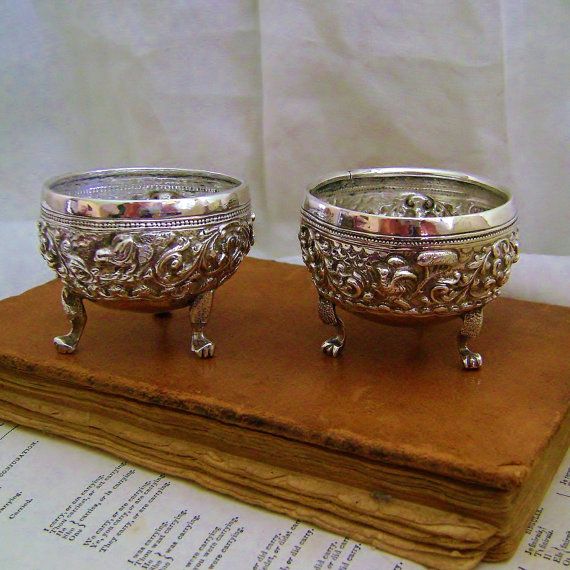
<point x="392" y="444"/>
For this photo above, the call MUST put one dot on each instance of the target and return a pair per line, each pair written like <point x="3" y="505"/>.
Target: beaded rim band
<point x="95" y="224"/>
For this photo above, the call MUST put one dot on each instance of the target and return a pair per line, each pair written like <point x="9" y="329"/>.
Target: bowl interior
<point x="141" y="185"/>
<point x="410" y="196"/>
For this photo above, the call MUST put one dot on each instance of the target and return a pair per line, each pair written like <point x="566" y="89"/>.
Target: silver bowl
<point x="408" y="246"/>
<point x="144" y="239"/>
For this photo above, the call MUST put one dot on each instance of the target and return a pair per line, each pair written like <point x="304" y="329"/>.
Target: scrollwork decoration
<point x="451" y="279"/>
<point x="145" y="265"/>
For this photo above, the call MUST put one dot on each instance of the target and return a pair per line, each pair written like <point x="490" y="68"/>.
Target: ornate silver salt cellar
<point x="144" y="239"/>
<point x="408" y="246"/>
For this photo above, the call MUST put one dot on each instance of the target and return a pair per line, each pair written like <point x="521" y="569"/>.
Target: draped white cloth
<point x="282" y="92"/>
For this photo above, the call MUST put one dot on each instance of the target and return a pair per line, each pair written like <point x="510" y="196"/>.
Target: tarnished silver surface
<point x="408" y="246"/>
<point x="171" y="249"/>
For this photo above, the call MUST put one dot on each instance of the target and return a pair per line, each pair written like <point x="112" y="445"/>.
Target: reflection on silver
<point x="408" y="246"/>
<point x="149" y="240"/>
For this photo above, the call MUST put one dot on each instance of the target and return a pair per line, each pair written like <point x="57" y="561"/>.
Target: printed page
<point x="61" y="501"/>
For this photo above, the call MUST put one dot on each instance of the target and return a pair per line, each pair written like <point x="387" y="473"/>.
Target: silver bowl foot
<point x="471" y="360"/>
<point x="75" y="311"/>
<point x="65" y="344"/>
<point x="472" y="324"/>
<point x="200" y="309"/>
<point x="327" y="311"/>
<point x="332" y="347"/>
<point x="202" y="346"/>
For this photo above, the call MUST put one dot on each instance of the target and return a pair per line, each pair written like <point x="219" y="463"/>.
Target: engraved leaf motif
<point x="145" y="254"/>
<point x="428" y="258"/>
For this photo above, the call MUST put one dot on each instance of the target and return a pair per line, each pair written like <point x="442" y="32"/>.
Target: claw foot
<point x="332" y="347"/>
<point x="73" y="307"/>
<point x="202" y="346"/>
<point x="200" y="309"/>
<point x="472" y="323"/>
<point x="471" y="360"/>
<point x="327" y="311"/>
<point x="65" y="344"/>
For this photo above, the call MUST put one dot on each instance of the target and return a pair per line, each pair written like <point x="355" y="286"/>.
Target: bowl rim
<point x="137" y="208"/>
<point x="379" y="224"/>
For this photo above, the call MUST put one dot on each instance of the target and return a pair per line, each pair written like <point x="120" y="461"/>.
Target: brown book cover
<point x="392" y="444"/>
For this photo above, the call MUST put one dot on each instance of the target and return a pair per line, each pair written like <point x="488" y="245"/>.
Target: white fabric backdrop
<point x="281" y="92"/>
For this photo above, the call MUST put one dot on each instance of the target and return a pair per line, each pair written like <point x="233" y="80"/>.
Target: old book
<point x="393" y="444"/>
